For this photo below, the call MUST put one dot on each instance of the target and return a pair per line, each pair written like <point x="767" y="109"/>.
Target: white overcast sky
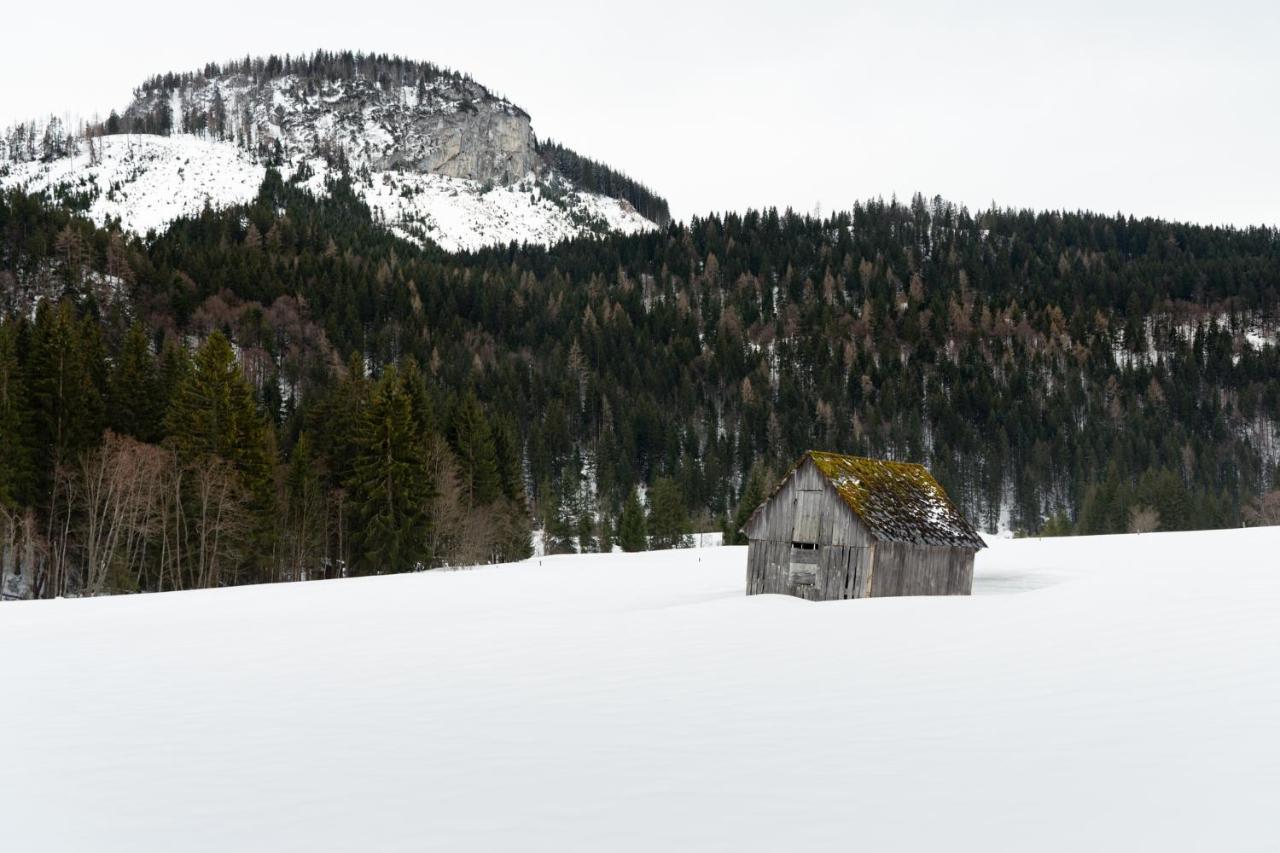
<point x="1152" y="108"/>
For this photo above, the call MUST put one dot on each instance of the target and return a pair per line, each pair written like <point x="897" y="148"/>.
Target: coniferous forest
<point x="287" y="391"/>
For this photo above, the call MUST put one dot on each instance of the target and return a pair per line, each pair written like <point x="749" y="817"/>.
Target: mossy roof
<point x="898" y="501"/>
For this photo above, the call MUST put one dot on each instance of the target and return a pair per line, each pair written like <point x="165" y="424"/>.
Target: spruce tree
<point x="172" y="368"/>
<point x="559" y="516"/>
<point x="477" y="456"/>
<point x="303" y="512"/>
<point x="514" y="541"/>
<point x="390" y="486"/>
<point x="753" y="494"/>
<point x="337" y="419"/>
<point x="420" y="404"/>
<point x="65" y="375"/>
<point x="213" y="414"/>
<point x="587" y="543"/>
<point x="606" y="535"/>
<point x="15" y="424"/>
<point x="668" y="519"/>
<point x="136" y="403"/>
<point x="508" y="451"/>
<point x="632" y="532"/>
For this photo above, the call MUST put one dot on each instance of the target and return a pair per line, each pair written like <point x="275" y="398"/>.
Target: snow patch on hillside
<point x="1096" y="693"/>
<point x="459" y="214"/>
<point x="147" y="182"/>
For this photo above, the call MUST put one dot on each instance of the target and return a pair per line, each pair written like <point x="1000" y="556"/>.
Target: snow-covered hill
<point x="147" y="181"/>
<point x="1108" y="693"/>
<point x="144" y="181"/>
<point x="433" y="153"/>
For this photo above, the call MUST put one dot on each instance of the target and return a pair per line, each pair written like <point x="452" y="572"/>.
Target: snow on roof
<point x="898" y="501"/>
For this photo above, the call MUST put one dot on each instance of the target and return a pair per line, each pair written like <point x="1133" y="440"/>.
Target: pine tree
<point x="632" y="532"/>
<point x="390" y="486"/>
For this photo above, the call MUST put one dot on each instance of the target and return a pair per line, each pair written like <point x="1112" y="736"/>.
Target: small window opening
<point x="805" y="546"/>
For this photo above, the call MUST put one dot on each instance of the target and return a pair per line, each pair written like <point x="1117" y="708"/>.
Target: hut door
<point x="804" y="539"/>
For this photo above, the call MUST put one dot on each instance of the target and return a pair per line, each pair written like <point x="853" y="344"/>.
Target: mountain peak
<point x="379" y="112"/>
<point x="435" y="154"/>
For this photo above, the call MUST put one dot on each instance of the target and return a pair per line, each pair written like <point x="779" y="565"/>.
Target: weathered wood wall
<point x="902" y="568"/>
<point x="824" y="509"/>
<point x="847" y="563"/>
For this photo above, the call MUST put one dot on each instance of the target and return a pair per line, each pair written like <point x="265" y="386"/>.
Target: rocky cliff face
<point x="434" y="155"/>
<point x="449" y="127"/>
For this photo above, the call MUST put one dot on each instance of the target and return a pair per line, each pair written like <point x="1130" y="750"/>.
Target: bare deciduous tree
<point x="113" y="497"/>
<point x="1143" y="519"/>
<point x="1264" y="510"/>
<point x="218" y="521"/>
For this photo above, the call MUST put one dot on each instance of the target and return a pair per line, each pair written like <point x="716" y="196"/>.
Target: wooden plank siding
<point x="902" y="568"/>
<point x="848" y="562"/>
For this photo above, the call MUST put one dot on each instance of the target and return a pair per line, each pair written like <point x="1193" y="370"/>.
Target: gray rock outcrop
<point x="449" y="127"/>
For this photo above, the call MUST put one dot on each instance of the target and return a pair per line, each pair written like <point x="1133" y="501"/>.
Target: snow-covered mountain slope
<point x="144" y="181"/>
<point x="433" y="153"/>
<point x="457" y="213"/>
<point x="1106" y="693"/>
<point x="147" y="181"/>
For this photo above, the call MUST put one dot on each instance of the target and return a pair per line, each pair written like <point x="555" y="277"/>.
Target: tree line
<point x="1057" y="372"/>
<point x="596" y="177"/>
<point x="124" y="469"/>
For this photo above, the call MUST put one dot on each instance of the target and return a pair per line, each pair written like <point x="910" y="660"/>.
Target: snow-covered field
<point x="1109" y="693"/>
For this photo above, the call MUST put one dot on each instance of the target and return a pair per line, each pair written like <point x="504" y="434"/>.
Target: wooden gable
<point x="806" y="508"/>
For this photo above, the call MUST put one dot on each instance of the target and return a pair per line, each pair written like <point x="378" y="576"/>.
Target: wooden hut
<point x="848" y="527"/>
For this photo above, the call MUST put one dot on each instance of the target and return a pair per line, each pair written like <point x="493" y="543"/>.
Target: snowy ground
<point x="1108" y="693"/>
